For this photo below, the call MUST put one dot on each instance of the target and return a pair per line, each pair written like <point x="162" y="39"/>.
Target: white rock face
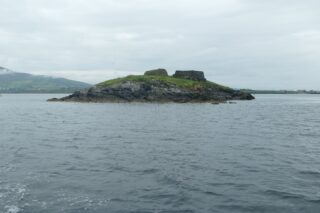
<point x="4" y="71"/>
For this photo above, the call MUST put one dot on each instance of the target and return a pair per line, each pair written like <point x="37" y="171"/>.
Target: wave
<point x="313" y="173"/>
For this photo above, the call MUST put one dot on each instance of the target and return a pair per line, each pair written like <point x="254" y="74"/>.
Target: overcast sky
<point x="260" y="44"/>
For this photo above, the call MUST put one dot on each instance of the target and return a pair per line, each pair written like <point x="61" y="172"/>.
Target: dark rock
<point x="53" y="99"/>
<point x="190" y="75"/>
<point x="239" y="95"/>
<point x="157" y="72"/>
<point x="154" y="91"/>
<point x="216" y="102"/>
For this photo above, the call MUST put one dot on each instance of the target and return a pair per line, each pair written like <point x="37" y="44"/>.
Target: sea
<point x="248" y="156"/>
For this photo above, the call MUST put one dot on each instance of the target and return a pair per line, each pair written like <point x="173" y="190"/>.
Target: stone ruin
<point x="184" y="74"/>
<point x="190" y="75"/>
<point x="157" y="72"/>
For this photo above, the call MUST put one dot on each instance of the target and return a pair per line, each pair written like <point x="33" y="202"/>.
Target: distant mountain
<point x="15" y="82"/>
<point x="4" y="71"/>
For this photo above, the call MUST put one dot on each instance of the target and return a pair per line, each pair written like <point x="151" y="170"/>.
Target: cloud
<point x="241" y="43"/>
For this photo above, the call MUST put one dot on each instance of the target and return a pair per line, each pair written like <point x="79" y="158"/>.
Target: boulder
<point x="190" y="75"/>
<point x="157" y="72"/>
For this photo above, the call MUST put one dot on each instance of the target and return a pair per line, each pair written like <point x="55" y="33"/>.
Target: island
<point x="157" y="86"/>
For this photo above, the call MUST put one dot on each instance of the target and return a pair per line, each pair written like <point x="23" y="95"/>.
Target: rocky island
<point x="158" y="86"/>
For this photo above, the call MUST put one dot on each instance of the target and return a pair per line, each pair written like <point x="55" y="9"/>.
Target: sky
<point x="255" y="44"/>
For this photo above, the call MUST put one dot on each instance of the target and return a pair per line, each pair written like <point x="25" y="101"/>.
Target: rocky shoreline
<point x="156" y="86"/>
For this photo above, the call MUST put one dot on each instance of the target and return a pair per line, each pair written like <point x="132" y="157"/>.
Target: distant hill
<point x="281" y="91"/>
<point x="15" y="82"/>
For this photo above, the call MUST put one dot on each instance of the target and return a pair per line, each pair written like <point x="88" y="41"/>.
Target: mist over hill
<point x="16" y="82"/>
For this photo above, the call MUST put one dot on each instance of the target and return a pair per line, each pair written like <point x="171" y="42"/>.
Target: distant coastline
<point x="17" y="82"/>
<point x="314" y="92"/>
<point x="51" y="91"/>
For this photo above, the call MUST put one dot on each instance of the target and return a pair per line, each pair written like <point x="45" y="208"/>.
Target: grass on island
<point x="178" y="82"/>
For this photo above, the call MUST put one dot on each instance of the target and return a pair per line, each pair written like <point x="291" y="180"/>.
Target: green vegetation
<point x="178" y="82"/>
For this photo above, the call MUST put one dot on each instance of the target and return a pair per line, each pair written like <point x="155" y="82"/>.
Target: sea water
<point x="252" y="156"/>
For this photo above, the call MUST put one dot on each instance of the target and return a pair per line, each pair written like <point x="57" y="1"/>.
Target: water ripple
<point x="258" y="156"/>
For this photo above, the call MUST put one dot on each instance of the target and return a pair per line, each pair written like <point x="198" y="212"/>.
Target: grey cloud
<point x="241" y="43"/>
